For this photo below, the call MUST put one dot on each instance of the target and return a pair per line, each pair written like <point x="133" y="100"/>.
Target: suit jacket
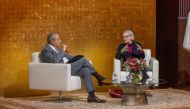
<point x="127" y="54"/>
<point x="48" y="55"/>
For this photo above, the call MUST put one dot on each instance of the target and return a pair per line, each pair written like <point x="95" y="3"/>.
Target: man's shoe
<point x="104" y="82"/>
<point x="94" y="99"/>
<point x="143" y="81"/>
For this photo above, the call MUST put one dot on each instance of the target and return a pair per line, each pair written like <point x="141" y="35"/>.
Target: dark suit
<point x="133" y="52"/>
<point x="81" y="67"/>
<point x="127" y="54"/>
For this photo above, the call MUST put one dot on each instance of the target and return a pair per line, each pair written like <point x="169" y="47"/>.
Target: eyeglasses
<point x="126" y="36"/>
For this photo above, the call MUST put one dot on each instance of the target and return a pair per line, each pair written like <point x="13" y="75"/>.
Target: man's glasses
<point x="126" y="36"/>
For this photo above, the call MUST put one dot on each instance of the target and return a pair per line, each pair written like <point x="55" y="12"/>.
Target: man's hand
<point x="139" y="47"/>
<point x="124" y="49"/>
<point x="65" y="48"/>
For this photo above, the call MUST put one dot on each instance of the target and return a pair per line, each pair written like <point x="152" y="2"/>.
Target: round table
<point x="134" y="94"/>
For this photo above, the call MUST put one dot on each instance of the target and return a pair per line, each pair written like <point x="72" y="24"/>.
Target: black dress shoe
<point x="94" y="99"/>
<point x="101" y="83"/>
<point x="143" y="81"/>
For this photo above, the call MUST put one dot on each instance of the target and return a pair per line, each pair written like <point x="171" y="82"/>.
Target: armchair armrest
<point x="154" y="66"/>
<point x="117" y="65"/>
<point x="117" y="70"/>
<point x="49" y="76"/>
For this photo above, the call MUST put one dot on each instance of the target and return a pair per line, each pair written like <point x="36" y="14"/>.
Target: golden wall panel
<point x="90" y="27"/>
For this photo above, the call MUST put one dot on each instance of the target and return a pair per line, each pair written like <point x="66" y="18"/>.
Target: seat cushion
<point x="75" y="82"/>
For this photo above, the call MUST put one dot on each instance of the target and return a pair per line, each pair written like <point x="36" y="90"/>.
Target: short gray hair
<point x="130" y="33"/>
<point x="51" y="36"/>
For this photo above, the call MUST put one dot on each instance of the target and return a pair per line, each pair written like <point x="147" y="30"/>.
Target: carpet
<point x="160" y="99"/>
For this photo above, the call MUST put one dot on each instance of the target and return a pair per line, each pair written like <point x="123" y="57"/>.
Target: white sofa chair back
<point x="35" y="57"/>
<point x="147" y="56"/>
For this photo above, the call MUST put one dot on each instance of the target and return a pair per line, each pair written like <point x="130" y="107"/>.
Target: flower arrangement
<point x="134" y="66"/>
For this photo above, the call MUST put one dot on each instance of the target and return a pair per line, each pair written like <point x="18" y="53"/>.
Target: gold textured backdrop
<point x="90" y="27"/>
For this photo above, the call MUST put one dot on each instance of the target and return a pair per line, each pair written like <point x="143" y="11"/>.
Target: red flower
<point x="134" y="64"/>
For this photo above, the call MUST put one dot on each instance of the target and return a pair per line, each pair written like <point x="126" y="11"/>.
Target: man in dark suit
<point x="52" y="53"/>
<point x="130" y="48"/>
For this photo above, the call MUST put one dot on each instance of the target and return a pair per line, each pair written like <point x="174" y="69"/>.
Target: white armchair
<point x="119" y="75"/>
<point x="51" y="76"/>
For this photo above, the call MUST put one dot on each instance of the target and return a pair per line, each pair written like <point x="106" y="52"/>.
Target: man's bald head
<point x="53" y="39"/>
